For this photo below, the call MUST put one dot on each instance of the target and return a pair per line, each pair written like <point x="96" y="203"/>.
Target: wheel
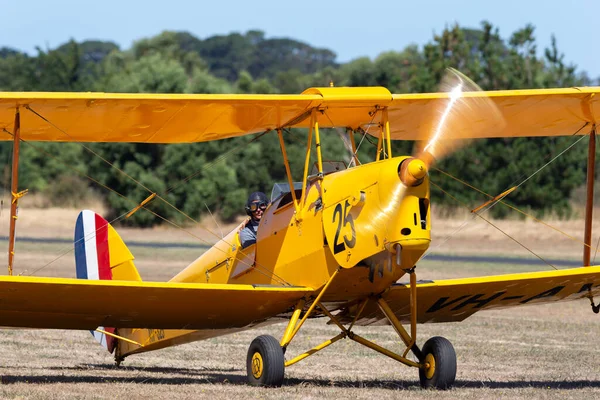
<point x="440" y="364"/>
<point x="265" y="364"/>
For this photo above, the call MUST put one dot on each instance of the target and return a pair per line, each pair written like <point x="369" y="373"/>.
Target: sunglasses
<point x="255" y="206"/>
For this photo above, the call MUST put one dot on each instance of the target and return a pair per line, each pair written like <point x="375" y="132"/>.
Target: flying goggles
<point x="255" y="206"/>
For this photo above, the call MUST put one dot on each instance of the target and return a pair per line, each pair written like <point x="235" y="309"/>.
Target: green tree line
<point x="192" y="178"/>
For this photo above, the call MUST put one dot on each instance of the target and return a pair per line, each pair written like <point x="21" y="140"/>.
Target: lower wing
<point x="457" y="299"/>
<point x="86" y="304"/>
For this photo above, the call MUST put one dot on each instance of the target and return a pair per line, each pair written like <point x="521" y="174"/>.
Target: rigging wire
<point x="370" y="140"/>
<point x="90" y="150"/>
<point x="472" y="218"/>
<point x="146" y="188"/>
<point x="40" y="150"/>
<point x="222" y="157"/>
<point x="355" y="154"/>
<point x="66" y="250"/>
<point x="548" y="155"/>
<point x="493" y="225"/>
<point x="334" y="126"/>
<point x="596" y="252"/>
<point x="281" y="281"/>
<point x="138" y="182"/>
<point x="513" y="207"/>
<point x="210" y="164"/>
<point x="214" y="219"/>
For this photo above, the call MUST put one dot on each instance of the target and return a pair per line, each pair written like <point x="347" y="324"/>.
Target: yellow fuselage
<point x="363" y="214"/>
<point x="356" y="220"/>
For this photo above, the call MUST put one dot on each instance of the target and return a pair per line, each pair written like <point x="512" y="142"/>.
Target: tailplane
<point x="100" y="253"/>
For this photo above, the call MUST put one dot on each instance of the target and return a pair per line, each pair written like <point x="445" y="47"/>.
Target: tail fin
<point x="100" y="253"/>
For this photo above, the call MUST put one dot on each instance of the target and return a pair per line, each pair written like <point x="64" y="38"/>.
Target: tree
<point x="152" y="73"/>
<point x="60" y="70"/>
<point x="222" y="173"/>
<point x="227" y="55"/>
<point x="523" y="62"/>
<point x="204" y="82"/>
<point x="92" y="51"/>
<point x="245" y="84"/>
<point x="493" y="55"/>
<point x="18" y="73"/>
<point x="557" y="73"/>
<point x="359" y="72"/>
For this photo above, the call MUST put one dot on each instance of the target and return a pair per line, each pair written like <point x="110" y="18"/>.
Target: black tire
<point x="443" y="374"/>
<point x="265" y="364"/>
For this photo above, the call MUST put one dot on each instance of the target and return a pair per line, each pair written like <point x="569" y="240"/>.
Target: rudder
<point x="100" y="253"/>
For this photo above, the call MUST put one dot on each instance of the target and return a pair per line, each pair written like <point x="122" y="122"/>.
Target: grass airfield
<point x="548" y="351"/>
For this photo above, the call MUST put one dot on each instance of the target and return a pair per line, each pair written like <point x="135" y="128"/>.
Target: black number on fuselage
<point x="337" y="247"/>
<point x="348" y="220"/>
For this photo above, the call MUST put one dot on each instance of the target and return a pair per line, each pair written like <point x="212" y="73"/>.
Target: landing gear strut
<point x="436" y="360"/>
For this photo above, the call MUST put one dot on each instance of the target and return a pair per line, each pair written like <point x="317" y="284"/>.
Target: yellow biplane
<point x="333" y="245"/>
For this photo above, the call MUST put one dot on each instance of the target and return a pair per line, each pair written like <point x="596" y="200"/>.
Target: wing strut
<point x="589" y="204"/>
<point x="15" y="195"/>
<point x="288" y="172"/>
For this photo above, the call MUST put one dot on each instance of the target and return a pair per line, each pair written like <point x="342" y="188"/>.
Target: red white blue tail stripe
<point x="92" y="258"/>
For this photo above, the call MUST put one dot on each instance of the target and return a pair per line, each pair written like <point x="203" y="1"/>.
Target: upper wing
<point x="150" y="118"/>
<point x="457" y="299"/>
<point x="178" y="118"/>
<point x="539" y="112"/>
<point x="86" y="304"/>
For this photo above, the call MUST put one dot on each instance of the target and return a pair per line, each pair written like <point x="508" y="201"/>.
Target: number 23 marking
<point x="347" y="218"/>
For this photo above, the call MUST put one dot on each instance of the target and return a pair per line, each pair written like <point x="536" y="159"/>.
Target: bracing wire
<point x="257" y="266"/>
<point x="493" y="225"/>
<point x="150" y="191"/>
<point x="365" y="132"/>
<point x="472" y="216"/>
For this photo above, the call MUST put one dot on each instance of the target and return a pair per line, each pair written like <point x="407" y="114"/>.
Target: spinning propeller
<point x="460" y="114"/>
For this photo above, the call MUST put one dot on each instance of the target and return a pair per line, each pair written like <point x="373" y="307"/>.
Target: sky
<point x="349" y="28"/>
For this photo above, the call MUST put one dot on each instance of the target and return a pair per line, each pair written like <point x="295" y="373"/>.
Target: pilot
<point x="255" y="206"/>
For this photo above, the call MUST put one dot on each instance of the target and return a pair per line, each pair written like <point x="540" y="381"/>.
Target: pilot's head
<point x="256" y="204"/>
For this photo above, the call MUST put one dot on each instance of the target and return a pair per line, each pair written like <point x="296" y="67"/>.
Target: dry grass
<point x="543" y="353"/>
<point x="460" y="234"/>
<point x="538" y="351"/>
